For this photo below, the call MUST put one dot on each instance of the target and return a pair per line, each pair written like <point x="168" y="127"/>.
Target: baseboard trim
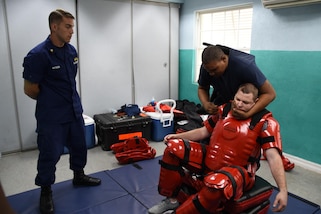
<point x="304" y="163"/>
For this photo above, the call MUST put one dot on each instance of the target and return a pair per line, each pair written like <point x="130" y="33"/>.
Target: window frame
<point x="199" y="47"/>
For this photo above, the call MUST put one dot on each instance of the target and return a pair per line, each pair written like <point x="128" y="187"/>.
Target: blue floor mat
<point x="138" y="176"/>
<point x="128" y="189"/>
<point x="122" y="205"/>
<point x="296" y="204"/>
<point x="70" y="199"/>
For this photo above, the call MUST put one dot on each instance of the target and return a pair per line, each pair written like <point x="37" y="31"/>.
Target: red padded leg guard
<point x="287" y="163"/>
<point x="194" y="182"/>
<point x="169" y="179"/>
<point x="190" y="186"/>
<point x="187" y="207"/>
<point x="206" y="201"/>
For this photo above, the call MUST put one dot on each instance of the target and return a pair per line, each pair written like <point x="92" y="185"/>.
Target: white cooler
<point x="162" y="123"/>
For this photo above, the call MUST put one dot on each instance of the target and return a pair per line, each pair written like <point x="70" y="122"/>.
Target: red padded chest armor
<point x="232" y="143"/>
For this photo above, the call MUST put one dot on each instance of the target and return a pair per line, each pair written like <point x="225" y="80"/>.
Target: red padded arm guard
<point x="271" y="135"/>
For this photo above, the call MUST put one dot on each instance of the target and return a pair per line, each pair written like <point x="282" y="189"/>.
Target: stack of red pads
<point x="132" y="150"/>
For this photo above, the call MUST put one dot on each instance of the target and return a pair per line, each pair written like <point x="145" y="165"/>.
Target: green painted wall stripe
<point x="296" y="77"/>
<point x="187" y="86"/>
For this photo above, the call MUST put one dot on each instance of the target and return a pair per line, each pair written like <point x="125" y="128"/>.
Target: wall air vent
<point x="276" y="4"/>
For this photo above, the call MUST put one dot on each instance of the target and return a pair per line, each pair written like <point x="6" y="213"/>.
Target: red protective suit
<point x="220" y="171"/>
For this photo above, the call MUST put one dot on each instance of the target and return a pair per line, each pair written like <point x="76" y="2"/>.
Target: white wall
<point x="8" y="118"/>
<point x="104" y="54"/>
<point x="295" y="28"/>
<point x="128" y="52"/>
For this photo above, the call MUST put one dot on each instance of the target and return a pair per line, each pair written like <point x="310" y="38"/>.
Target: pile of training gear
<point x="132" y="150"/>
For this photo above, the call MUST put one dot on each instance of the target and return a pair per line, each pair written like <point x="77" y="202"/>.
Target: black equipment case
<point x="111" y="128"/>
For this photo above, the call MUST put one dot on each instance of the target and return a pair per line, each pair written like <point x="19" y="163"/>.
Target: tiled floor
<point x="17" y="172"/>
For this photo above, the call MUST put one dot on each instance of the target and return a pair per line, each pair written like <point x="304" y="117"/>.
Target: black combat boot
<point x="46" y="204"/>
<point x="80" y="179"/>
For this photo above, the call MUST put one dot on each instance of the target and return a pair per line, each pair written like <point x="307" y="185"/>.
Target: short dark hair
<point x="57" y="15"/>
<point x="249" y="88"/>
<point x="211" y="53"/>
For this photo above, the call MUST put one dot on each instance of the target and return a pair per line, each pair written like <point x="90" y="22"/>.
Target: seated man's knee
<point x="175" y="147"/>
<point x="229" y="179"/>
<point x="189" y="152"/>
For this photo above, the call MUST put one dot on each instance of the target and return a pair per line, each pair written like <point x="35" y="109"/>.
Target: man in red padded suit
<point x="225" y="69"/>
<point x="226" y="167"/>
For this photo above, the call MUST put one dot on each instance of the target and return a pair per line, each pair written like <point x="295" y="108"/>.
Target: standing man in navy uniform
<point x="49" y="77"/>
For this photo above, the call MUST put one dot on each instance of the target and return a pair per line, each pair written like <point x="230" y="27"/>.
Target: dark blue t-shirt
<point x="241" y="69"/>
<point x="55" y="70"/>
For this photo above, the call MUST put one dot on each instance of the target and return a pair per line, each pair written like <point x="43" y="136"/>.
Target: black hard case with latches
<point x="111" y="128"/>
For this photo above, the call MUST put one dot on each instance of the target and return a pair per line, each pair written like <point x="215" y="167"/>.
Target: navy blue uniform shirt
<point x="241" y="69"/>
<point x="55" y="70"/>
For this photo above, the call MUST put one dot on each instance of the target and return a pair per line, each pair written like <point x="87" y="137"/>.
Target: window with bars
<point x="225" y="26"/>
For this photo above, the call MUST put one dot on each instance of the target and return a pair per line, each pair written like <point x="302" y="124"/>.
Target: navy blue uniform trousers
<point x="51" y="141"/>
